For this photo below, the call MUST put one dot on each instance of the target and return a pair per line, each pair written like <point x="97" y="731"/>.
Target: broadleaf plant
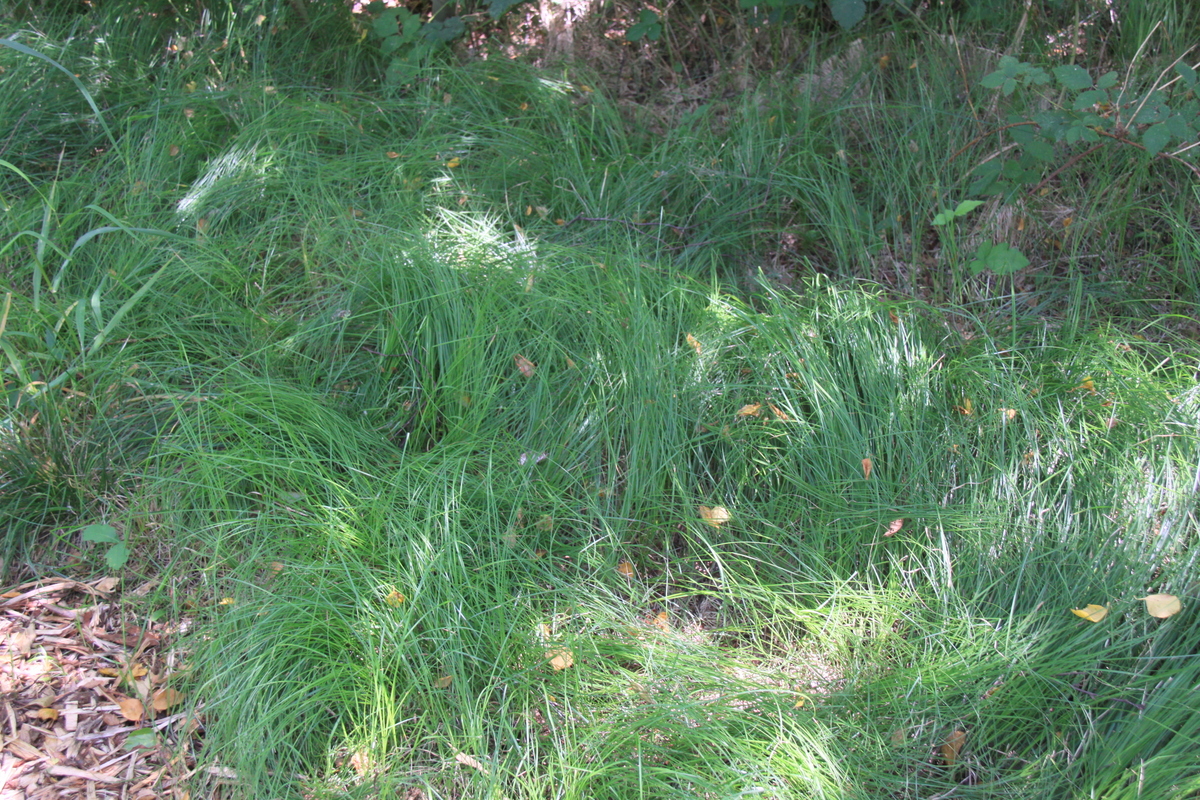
<point x="1162" y="121"/>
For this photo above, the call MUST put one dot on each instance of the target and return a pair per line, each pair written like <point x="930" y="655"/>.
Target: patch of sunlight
<point x="472" y="241"/>
<point x="230" y="180"/>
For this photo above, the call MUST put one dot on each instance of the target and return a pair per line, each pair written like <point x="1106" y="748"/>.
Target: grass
<point x="413" y="403"/>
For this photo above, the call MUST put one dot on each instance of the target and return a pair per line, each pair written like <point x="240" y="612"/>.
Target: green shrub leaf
<point x="1187" y="73"/>
<point x="1156" y="138"/>
<point x="104" y="534"/>
<point x="847" y="13"/>
<point x="1000" y="257"/>
<point x="1073" y="76"/>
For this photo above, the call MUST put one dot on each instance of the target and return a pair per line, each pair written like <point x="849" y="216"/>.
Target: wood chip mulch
<point x="88" y="708"/>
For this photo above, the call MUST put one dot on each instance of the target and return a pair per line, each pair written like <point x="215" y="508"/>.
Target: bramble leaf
<point x="1073" y="77"/>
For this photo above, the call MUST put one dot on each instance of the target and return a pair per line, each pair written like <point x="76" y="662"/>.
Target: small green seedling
<point x="118" y="554"/>
<point x="963" y="208"/>
<point x="1000" y="257"/>
<point x="141" y="739"/>
<point x="648" y="27"/>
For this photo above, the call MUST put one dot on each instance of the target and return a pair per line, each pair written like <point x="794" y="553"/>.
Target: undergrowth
<point x="489" y="446"/>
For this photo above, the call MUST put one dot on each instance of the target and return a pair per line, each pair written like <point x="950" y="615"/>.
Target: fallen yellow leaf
<point x="715" y="516"/>
<point x="1091" y="612"/>
<point x="106" y="585"/>
<point x="165" y="698"/>
<point x="454" y="162"/>
<point x="444" y="682"/>
<point x="392" y="154"/>
<point x="560" y="657"/>
<point x="750" y="410"/>
<point x="966" y="409"/>
<point x="47" y="714"/>
<point x="894" y="527"/>
<point x="1162" y="605"/>
<point x="469" y="761"/>
<point x="395" y="599"/>
<point x="779" y="415"/>
<point x="953" y="747"/>
<point x="524" y="365"/>
<point x="867" y="466"/>
<point x="695" y="343"/>
<point x="659" y="621"/>
<point x="625" y="568"/>
<point x="131" y="709"/>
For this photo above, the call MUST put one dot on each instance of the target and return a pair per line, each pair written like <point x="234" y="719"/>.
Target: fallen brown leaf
<point x="470" y="761"/>
<point x="131" y="709"/>
<point x="165" y="698"/>
<point x="560" y="657"/>
<point x="953" y="747"/>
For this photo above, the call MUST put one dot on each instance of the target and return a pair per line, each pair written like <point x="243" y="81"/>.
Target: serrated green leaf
<point x="1041" y="150"/>
<point x="142" y="737"/>
<point x="1073" y="77"/>
<point x="1023" y="134"/>
<point x="992" y="80"/>
<point x="1000" y="257"/>
<point x="1089" y="98"/>
<point x="411" y="28"/>
<point x="1012" y="170"/>
<point x="117" y="556"/>
<point x="1009" y="66"/>
<point x="386" y="24"/>
<point x="1008" y="87"/>
<point x="1156" y="138"/>
<point x="444" y="31"/>
<point x="1187" y="73"/>
<point x="847" y="13"/>
<point x="390" y="45"/>
<point x="105" y="534"/>
<point x="985" y="182"/>
<point x="1179" y="127"/>
<point x="497" y="8"/>
<point x="1107" y="81"/>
